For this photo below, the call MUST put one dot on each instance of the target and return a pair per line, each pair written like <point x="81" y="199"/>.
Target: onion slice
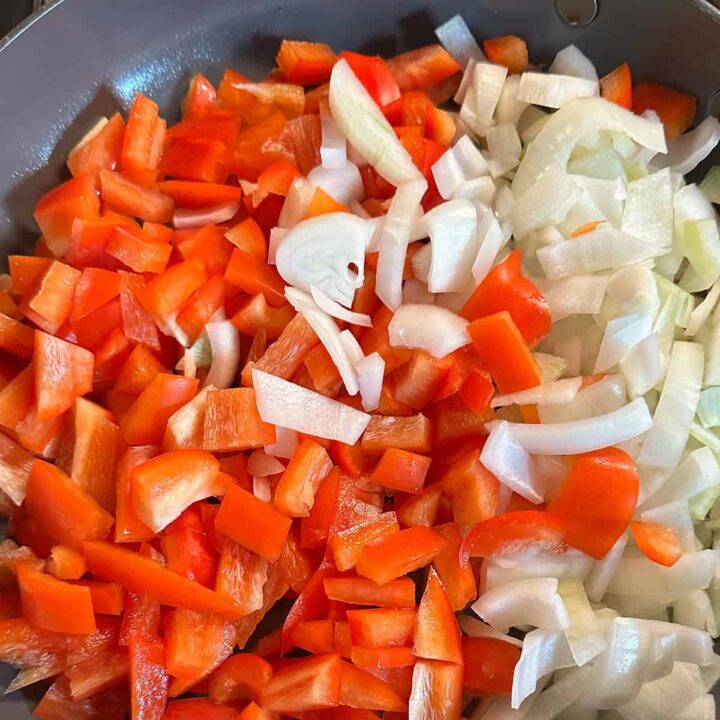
<point x="199" y="217"/>
<point x="370" y="371"/>
<point x="328" y="252"/>
<point x="262" y="464"/>
<point x="428" y="327"/>
<point x="336" y="310"/>
<point x="365" y="127"/>
<point x="457" y="39"/>
<point x="579" y="436"/>
<point x="294" y="407"/>
<point x="690" y="149"/>
<point x="394" y="239"/>
<point x="225" y="344"/>
<point x="328" y="332"/>
<point x="333" y="149"/>
<point x="552" y="393"/>
<point x="554" y="91"/>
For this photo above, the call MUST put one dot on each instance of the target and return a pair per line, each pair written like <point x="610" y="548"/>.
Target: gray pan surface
<point x="83" y="58"/>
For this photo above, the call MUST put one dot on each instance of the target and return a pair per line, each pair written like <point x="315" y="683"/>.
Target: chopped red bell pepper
<point x="457" y="577"/>
<point x="148" y="677"/>
<point x="472" y="489"/>
<point x="508" y="50"/>
<point x="241" y="576"/>
<point x="305" y="63"/>
<point x="398" y="593"/>
<point x="675" y="109"/>
<point x="506" y="288"/>
<point x="423" y="67"/>
<point x="307" y="469"/>
<point x="616" y="86"/>
<point x="373" y="72"/>
<point x="347" y="545"/>
<point x="398" y="554"/>
<point x="413" y="434"/>
<point x="597" y="500"/>
<point x="101" y="151"/>
<point x="252" y="523"/>
<point x="360" y="689"/>
<point x="187" y="548"/>
<point x="489" y="666"/>
<point x="658" y="543"/>
<point x="143" y="142"/>
<point x="232" y="422"/>
<point x="382" y="627"/>
<point x="240" y="677"/>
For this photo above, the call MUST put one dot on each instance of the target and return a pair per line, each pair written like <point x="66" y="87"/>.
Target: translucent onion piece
<point x="608" y="195"/>
<point x="262" y="464"/>
<point x="709" y="407"/>
<point x="457" y="39"/>
<point x="526" y="602"/>
<point x="664" y="443"/>
<point x="572" y="61"/>
<point x="696" y="474"/>
<point x="511" y="464"/>
<point x="582" y="294"/>
<point x="690" y="149"/>
<point x="344" y="184"/>
<point x="421" y="263"/>
<point x="328" y="332"/>
<point x="547" y="202"/>
<point x="394" y="240"/>
<point x="597" y="581"/>
<point x="640" y="576"/>
<point x="457" y="165"/>
<point x="600" y="249"/>
<point x="579" y="436"/>
<point x="370" y="372"/>
<point x="277" y="237"/>
<point x="634" y="289"/>
<point x="333" y="150"/>
<point x="336" y="310"/>
<point x="533" y="564"/>
<point x="552" y="393"/>
<point x="621" y="335"/>
<point x="465" y="81"/>
<point x="641" y="366"/>
<point x="225" y="346"/>
<point x="482" y="95"/>
<point x="286" y="442"/>
<point x="551" y="366"/>
<point x="648" y="210"/>
<point x="262" y="489"/>
<point x="479" y="190"/>
<point x="554" y="143"/>
<point x="702" y="312"/>
<point x="453" y="240"/>
<point x="599" y="398"/>
<point x="296" y="202"/>
<point x="365" y="127"/>
<point x="283" y="403"/>
<point x="700" y="243"/>
<point x="328" y="252"/>
<point x="604" y="164"/>
<point x="509" y="109"/>
<point x="503" y="141"/>
<point x="585" y="635"/>
<point x="543" y="652"/>
<point x="710" y="185"/>
<point x="696" y="611"/>
<point x="491" y="239"/>
<point x="428" y="327"/>
<point x="352" y="346"/>
<point x="415" y="292"/>
<point x="199" y="217"/>
<point x="554" y="91"/>
<point x="475" y="628"/>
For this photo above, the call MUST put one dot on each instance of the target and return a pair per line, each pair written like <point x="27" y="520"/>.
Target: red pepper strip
<point x="489" y="666"/>
<point x="143" y="575"/>
<point x="240" y="677"/>
<point x="436" y="685"/>
<point x="148" y="676"/>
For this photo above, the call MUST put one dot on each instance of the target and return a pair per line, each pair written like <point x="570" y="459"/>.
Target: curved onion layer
<point x="580" y="436"/>
<point x="327" y="252"/>
<point x="370" y="371"/>
<point x="563" y="130"/>
<point x="572" y="61"/>
<point x="199" y="217"/>
<point x="428" y="327"/>
<point x="336" y="310"/>
<point x="283" y="403"/>
<point x="225" y="344"/>
<point x="365" y="127"/>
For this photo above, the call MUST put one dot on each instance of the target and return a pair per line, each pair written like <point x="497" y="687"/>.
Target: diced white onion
<point x="262" y="464"/>
<point x="577" y="295"/>
<point x="428" y="327"/>
<point x="555" y="142"/>
<point x="572" y="61"/>
<point x="491" y="239"/>
<point x="641" y="366"/>
<point x="664" y="443"/>
<point x="283" y="403"/>
<point x="457" y="39"/>
<point x="262" y="489"/>
<point x="457" y="165"/>
<point x="503" y="141"/>
<point x="277" y="236"/>
<point x="597" y="581"/>
<point x="333" y="150"/>
<point x="394" y="239"/>
<point x="648" y="210"/>
<point x="453" y="242"/>
<point x="475" y="628"/>
<point x="511" y="464"/>
<point x="526" y="602"/>
<point x="370" y="372"/>
<point x="554" y="91"/>
<point x="343" y="184"/>
<point x="286" y="442"/>
<point x="621" y="335"/>
<point x="482" y="95"/>
<point x="509" y="108"/>
<point x="690" y="149"/>
<point x="296" y="202"/>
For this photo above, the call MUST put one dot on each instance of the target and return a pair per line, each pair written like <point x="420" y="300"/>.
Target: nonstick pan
<point x="79" y="59"/>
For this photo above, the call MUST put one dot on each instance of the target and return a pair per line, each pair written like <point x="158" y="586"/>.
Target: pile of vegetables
<point x="327" y="402"/>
